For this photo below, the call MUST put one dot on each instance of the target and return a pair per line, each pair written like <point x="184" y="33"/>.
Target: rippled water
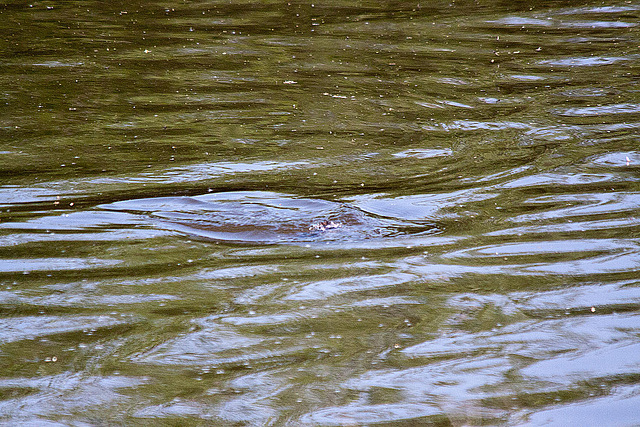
<point x="164" y="164"/>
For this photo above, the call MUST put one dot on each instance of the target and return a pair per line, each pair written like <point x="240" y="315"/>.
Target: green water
<point x="164" y="168"/>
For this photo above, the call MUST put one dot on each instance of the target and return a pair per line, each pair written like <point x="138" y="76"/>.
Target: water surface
<point x="163" y="165"/>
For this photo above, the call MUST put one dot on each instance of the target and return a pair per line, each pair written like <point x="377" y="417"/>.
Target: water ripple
<point x="294" y="214"/>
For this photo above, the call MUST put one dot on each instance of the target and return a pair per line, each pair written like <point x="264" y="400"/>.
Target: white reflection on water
<point x="27" y="265"/>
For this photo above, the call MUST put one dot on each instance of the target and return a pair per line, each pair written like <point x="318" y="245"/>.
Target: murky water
<point x="166" y="168"/>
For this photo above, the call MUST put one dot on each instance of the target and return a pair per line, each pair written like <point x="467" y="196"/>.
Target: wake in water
<point x="263" y="217"/>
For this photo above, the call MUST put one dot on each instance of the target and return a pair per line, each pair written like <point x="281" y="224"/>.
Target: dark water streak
<point x="161" y="164"/>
